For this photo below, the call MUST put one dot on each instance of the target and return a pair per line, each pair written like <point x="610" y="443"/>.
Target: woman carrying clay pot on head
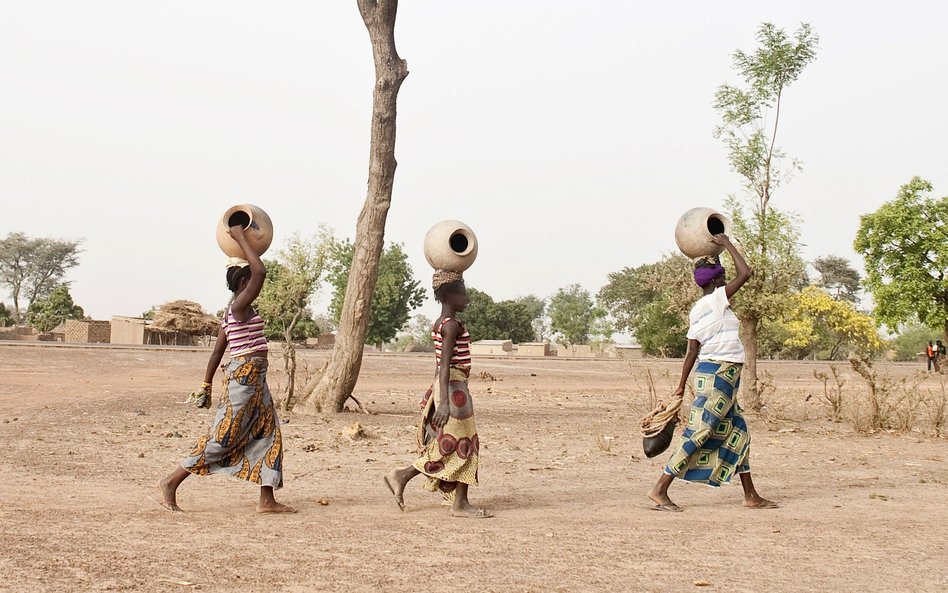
<point x="716" y="443"/>
<point x="244" y="440"/>
<point x="447" y="433"/>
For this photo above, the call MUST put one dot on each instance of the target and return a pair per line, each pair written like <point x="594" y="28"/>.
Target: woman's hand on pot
<point x="721" y="239"/>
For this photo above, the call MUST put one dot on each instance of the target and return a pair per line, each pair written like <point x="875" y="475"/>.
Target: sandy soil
<point x="86" y="434"/>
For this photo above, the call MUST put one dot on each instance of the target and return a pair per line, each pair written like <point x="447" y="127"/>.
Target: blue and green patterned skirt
<point x="715" y="444"/>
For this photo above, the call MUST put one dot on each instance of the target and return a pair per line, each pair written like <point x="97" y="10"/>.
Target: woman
<point x="716" y="442"/>
<point x="244" y="441"/>
<point x="447" y="433"/>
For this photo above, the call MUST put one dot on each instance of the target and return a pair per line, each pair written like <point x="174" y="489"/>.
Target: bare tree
<point x="331" y="389"/>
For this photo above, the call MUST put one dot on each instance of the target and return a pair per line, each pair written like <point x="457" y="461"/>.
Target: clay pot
<point x="451" y="245"/>
<point x="257" y="226"/>
<point x="694" y="231"/>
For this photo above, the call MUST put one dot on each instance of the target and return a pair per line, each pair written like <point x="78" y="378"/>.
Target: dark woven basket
<point x="656" y="445"/>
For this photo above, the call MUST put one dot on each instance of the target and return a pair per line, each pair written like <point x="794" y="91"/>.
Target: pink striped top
<point x="244" y="337"/>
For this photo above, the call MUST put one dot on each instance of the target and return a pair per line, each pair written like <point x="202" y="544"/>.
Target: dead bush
<point x="832" y="395"/>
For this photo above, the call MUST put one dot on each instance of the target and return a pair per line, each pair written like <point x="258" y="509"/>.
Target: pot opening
<point x="239" y="218"/>
<point x="459" y="243"/>
<point x="715" y="225"/>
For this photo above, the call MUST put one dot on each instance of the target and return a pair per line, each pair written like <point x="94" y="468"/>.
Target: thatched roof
<point x="185" y="317"/>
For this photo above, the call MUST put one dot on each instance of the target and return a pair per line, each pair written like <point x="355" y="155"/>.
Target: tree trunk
<point x="331" y="389"/>
<point x="750" y="394"/>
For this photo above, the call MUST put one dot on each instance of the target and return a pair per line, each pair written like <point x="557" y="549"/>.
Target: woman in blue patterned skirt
<point x="716" y="443"/>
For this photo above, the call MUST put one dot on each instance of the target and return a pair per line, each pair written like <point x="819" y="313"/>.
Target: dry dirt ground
<point x="85" y="434"/>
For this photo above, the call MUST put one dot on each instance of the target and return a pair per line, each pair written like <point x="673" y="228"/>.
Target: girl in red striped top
<point x="244" y="441"/>
<point x="447" y="433"/>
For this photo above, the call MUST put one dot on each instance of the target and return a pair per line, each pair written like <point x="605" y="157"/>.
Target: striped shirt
<point x="244" y="337"/>
<point x="715" y="326"/>
<point x="461" y="355"/>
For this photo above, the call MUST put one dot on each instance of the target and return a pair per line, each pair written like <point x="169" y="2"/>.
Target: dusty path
<point x="86" y="433"/>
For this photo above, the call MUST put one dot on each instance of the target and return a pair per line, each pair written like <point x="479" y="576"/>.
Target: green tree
<point x="911" y="341"/>
<point x="904" y="245"/>
<point x="575" y="317"/>
<point x="5" y="317"/>
<point x="652" y="303"/>
<point x="45" y="313"/>
<point x="838" y="277"/>
<point x="292" y="280"/>
<point x="33" y="268"/>
<point x="396" y="295"/>
<point x="512" y="319"/>
<point x="750" y="119"/>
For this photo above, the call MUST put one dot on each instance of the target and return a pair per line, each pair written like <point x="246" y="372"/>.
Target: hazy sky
<point x="569" y="135"/>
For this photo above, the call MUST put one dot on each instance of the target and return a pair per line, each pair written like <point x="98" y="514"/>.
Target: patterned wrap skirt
<point x="715" y="444"/>
<point x="449" y="454"/>
<point x="245" y="441"/>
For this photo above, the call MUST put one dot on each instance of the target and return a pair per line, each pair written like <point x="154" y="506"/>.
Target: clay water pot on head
<point x="257" y="228"/>
<point x="695" y="229"/>
<point x="451" y="245"/>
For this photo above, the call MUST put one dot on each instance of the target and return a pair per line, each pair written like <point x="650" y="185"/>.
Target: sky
<point x="569" y="135"/>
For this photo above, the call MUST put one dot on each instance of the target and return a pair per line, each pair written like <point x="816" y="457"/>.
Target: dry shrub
<point x="890" y="404"/>
<point x="832" y="396"/>
<point x="936" y="405"/>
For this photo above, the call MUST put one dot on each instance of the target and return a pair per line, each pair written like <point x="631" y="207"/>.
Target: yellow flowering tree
<point x="820" y="324"/>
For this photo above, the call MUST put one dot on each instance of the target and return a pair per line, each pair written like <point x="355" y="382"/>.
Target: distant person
<point x="447" y="434"/>
<point x="716" y="443"/>
<point x="244" y="441"/>
<point x="939" y="353"/>
<point x="930" y="352"/>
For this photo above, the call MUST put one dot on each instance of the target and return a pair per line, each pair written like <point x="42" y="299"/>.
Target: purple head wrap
<point x="706" y="275"/>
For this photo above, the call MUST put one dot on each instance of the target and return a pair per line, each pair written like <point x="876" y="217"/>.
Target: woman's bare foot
<point x="662" y="501"/>
<point x="274" y="507"/>
<point x="167" y="493"/>
<point x="468" y="511"/>
<point x="757" y="502"/>
<point x="396" y="486"/>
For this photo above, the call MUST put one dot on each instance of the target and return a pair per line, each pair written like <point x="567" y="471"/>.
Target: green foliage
<point x="33" y="268"/>
<point x="904" y="245"/>
<point x="48" y="312"/>
<point x="512" y="319"/>
<point x="770" y="244"/>
<point x="5" y="317"/>
<point x="575" y="317"/>
<point x="292" y="280"/>
<point x="397" y="293"/>
<point x="912" y="341"/>
<point x="838" y="277"/>
<point x="777" y="62"/>
<point x="652" y="302"/>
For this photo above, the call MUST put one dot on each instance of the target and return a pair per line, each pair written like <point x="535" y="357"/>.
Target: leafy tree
<point x="33" y="268"/>
<point x="575" y="317"/>
<point x="838" y="277"/>
<point x="652" y="302"/>
<point x="5" y="317"/>
<point x="419" y="328"/>
<point x="819" y="324"/>
<point x="512" y="319"/>
<point x="292" y="280"/>
<point x="904" y="245"/>
<point x="45" y="313"/>
<point x="750" y="119"/>
<point x="396" y="295"/>
<point x="911" y="341"/>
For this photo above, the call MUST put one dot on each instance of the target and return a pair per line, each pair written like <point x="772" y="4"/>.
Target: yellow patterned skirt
<point x="449" y="454"/>
<point x="245" y="441"/>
